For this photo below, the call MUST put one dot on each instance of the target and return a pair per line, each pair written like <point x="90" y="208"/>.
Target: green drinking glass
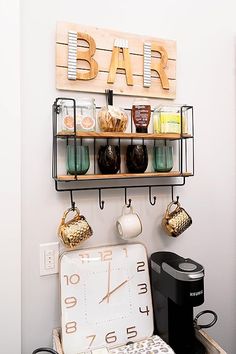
<point x="82" y="159"/>
<point x="163" y="158"/>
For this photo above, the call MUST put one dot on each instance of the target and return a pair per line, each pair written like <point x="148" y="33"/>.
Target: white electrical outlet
<point x="49" y="254"/>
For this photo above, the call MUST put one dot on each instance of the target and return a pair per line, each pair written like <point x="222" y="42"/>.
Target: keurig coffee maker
<point x="177" y="287"/>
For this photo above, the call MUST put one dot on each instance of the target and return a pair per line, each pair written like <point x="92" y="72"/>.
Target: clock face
<point x="105" y="297"/>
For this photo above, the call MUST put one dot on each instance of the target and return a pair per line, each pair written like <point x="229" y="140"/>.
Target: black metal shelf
<point x="64" y="182"/>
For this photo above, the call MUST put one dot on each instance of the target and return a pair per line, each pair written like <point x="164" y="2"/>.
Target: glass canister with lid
<point x="112" y="119"/>
<point x="167" y="119"/>
<point x="85" y="115"/>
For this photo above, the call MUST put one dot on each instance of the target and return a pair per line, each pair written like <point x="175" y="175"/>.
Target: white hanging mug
<point x="129" y="224"/>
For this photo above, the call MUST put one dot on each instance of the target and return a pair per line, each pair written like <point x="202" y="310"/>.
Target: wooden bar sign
<point x="91" y="59"/>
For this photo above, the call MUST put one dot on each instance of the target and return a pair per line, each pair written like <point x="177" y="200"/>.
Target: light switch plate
<point x="49" y="255"/>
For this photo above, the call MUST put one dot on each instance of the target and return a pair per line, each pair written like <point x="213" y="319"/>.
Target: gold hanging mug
<point x="74" y="231"/>
<point x="177" y="221"/>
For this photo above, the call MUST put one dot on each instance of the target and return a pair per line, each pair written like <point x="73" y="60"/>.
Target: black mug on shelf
<point x="137" y="158"/>
<point x="109" y="159"/>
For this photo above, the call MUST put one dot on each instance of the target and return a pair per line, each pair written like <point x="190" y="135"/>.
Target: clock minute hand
<point x="111" y="292"/>
<point x="109" y="280"/>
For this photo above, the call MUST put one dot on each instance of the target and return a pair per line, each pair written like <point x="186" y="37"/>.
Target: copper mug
<point x="74" y="231"/>
<point x="177" y="221"/>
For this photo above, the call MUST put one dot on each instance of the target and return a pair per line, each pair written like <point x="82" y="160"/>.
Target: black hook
<point x="72" y="201"/>
<point x="43" y="350"/>
<point x="101" y="202"/>
<point x="130" y="200"/>
<point x="172" y="196"/>
<point x="150" y="198"/>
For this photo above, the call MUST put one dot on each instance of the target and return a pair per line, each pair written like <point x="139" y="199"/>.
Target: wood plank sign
<point x="91" y="59"/>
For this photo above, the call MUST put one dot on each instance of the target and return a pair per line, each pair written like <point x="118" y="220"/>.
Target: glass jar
<point x="112" y="119"/>
<point x="67" y="115"/>
<point x="167" y="119"/>
<point x="85" y="115"/>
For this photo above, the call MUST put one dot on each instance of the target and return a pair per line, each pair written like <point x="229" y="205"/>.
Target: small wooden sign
<point x="91" y="59"/>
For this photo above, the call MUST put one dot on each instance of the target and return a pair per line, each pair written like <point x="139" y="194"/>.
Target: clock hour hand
<point x="111" y="292"/>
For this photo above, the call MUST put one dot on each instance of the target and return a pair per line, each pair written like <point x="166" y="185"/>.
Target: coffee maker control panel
<point x="184" y="269"/>
<point x="180" y="278"/>
<point x="178" y="267"/>
<point x="187" y="266"/>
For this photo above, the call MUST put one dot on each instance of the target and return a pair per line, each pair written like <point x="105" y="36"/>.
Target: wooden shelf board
<point x="116" y="135"/>
<point x="123" y="175"/>
<point x="187" y="174"/>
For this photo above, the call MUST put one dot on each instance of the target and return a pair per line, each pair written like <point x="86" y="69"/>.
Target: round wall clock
<point x="105" y="297"/>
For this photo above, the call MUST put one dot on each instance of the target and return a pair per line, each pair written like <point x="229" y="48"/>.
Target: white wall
<point x="10" y="250"/>
<point x="206" y="79"/>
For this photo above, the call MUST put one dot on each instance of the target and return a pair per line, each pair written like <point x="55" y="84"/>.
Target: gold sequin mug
<point x="177" y="221"/>
<point x="74" y="231"/>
